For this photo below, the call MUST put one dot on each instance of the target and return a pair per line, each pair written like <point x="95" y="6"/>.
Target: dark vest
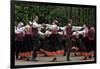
<point x="69" y="32"/>
<point x="34" y="32"/>
<point x="91" y="34"/>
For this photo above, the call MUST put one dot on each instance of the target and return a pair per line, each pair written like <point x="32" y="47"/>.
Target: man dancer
<point x="68" y="40"/>
<point x="35" y="37"/>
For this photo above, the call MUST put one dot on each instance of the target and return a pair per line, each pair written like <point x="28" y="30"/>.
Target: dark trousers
<point x="68" y="48"/>
<point x="36" y="46"/>
<point x="64" y="46"/>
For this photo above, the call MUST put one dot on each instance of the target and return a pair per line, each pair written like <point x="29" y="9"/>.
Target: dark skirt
<point x="81" y="43"/>
<point x="55" y="42"/>
<point x="18" y="47"/>
<point x="36" y="42"/>
<point x="92" y="45"/>
<point x="27" y="42"/>
<point x="86" y="44"/>
<point x="45" y="43"/>
<point x="81" y="46"/>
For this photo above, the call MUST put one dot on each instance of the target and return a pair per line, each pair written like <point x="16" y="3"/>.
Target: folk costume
<point x="35" y="39"/>
<point x="18" y="41"/>
<point x="68" y="40"/>
<point x="27" y="40"/>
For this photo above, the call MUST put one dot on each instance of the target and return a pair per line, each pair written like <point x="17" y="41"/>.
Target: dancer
<point x="68" y="40"/>
<point x="19" y="39"/>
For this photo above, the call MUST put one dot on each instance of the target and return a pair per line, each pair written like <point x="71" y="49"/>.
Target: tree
<point x="47" y="13"/>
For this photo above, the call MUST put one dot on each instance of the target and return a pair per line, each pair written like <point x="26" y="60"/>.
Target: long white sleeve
<point x="76" y="28"/>
<point x="36" y="25"/>
<point x="19" y="30"/>
<point x="60" y="33"/>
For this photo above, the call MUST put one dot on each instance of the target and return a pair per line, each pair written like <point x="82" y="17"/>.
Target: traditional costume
<point x="91" y="41"/>
<point x="18" y="41"/>
<point x="68" y="40"/>
<point x="27" y="40"/>
<point x="35" y="39"/>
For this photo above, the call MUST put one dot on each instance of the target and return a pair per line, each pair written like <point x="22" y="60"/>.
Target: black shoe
<point x="68" y="60"/>
<point x="54" y="60"/>
<point x="27" y="59"/>
<point x="90" y="57"/>
<point x="31" y="59"/>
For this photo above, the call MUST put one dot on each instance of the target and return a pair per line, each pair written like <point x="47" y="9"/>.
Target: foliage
<point x="47" y="13"/>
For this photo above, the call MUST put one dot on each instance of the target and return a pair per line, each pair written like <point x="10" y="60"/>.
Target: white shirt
<point x="19" y="30"/>
<point x="36" y="25"/>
